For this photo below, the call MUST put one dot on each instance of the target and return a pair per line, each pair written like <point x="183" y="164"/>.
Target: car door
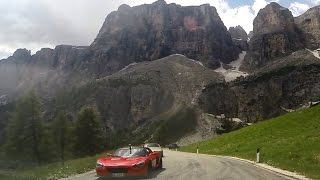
<point x="152" y="158"/>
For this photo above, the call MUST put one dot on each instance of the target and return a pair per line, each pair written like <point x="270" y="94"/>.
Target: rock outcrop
<point x="290" y="83"/>
<point x="309" y="22"/>
<point x="275" y="36"/>
<point x="153" y="31"/>
<point x="238" y="33"/>
<point x="49" y="70"/>
<point x="239" y="37"/>
<point x="250" y="35"/>
<point x="12" y="70"/>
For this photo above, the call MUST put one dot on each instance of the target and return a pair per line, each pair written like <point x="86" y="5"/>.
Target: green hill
<point x="290" y="142"/>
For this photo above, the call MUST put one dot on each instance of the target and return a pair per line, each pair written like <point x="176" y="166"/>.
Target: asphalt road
<point x="186" y="166"/>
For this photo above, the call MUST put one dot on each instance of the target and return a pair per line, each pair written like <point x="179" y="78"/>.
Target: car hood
<point x="156" y="148"/>
<point x="121" y="161"/>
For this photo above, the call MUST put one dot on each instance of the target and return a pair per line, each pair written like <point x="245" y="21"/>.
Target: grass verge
<point x="54" y="170"/>
<point x="290" y="142"/>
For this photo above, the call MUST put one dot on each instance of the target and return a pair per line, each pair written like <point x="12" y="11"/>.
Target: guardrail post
<point x="258" y="155"/>
<point x="197" y="150"/>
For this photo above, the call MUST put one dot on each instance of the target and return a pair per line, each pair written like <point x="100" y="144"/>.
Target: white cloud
<point x="34" y="24"/>
<point x="243" y="15"/>
<point x="315" y="2"/>
<point x="5" y="52"/>
<point x="298" y="8"/>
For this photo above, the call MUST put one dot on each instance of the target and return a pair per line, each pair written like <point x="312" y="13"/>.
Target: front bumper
<point x="121" y="171"/>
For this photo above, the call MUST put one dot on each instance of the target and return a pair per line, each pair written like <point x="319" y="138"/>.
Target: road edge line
<point x="278" y="171"/>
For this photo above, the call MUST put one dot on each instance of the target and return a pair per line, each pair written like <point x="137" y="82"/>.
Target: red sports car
<point x="129" y="161"/>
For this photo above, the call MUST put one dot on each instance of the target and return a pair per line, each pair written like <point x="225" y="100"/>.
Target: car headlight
<point x="140" y="164"/>
<point x="99" y="165"/>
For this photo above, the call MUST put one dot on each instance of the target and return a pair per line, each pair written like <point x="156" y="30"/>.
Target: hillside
<point x="142" y="96"/>
<point x="287" y="84"/>
<point x="290" y="142"/>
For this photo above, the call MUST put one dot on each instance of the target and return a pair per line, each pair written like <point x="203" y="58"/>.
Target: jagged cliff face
<point x="11" y="72"/>
<point x="238" y="33"/>
<point x="239" y="37"/>
<point x="150" y="32"/>
<point x="273" y="18"/>
<point x="49" y="71"/>
<point x="275" y="36"/>
<point x="292" y="83"/>
<point x="288" y="84"/>
<point x="309" y="22"/>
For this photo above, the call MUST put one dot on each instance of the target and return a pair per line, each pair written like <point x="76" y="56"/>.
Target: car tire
<point x="149" y="170"/>
<point x="160" y="164"/>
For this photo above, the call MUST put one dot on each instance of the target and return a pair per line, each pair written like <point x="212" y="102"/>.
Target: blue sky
<point x="34" y="24"/>
<point x="234" y="3"/>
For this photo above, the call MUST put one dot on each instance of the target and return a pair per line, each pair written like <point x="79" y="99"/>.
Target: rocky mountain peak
<point x="21" y="53"/>
<point x="250" y="35"/>
<point x="309" y="22"/>
<point x="160" y="2"/>
<point x="238" y="33"/>
<point x="239" y="37"/>
<point x="275" y="35"/>
<point x="124" y="7"/>
<point x="20" y="56"/>
<point x="153" y="31"/>
<point x="273" y="18"/>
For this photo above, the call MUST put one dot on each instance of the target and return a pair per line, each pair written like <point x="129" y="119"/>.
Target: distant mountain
<point x="289" y="84"/>
<point x="49" y="70"/>
<point x="309" y="22"/>
<point x="239" y="37"/>
<point x="238" y="33"/>
<point x="153" y="31"/>
<point x="275" y="35"/>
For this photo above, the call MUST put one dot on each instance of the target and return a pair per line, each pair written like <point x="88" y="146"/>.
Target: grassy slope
<point x="54" y="170"/>
<point x="170" y="130"/>
<point x="290" y="142"/>
<point x="166" y="127"/>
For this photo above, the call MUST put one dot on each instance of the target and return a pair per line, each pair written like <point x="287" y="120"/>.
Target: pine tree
<point x="23" y="133"/>
<point x="90" y="133"/>
<point x="61" y="129"/>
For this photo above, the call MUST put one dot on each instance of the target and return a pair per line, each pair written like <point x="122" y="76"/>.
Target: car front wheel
<point x="160" y="164"/>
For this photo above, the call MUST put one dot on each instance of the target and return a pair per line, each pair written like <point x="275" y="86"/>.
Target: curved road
<point x="187" y="166"/>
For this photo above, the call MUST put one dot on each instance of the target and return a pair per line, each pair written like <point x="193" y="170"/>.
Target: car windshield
<point x="152" y="145"/>
<point x="135" y="152"/>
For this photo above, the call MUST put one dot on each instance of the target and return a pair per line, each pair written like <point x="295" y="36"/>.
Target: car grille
<point x="117" y="170"/>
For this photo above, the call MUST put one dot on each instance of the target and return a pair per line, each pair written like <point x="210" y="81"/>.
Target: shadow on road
<point x="153" y="175"/>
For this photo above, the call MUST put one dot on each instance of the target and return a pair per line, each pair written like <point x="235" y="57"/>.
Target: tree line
<point x="30" y="139"/>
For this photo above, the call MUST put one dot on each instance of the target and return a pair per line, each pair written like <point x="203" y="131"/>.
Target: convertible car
<point x="129" y="161"/>
<point x="155" y="147"/>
